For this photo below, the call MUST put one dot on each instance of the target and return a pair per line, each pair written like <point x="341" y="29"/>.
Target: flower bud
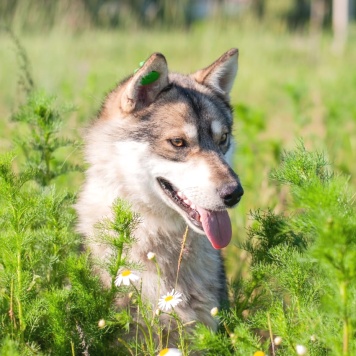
<point x="101" y="324"/>
<point x="301" y="350"/>
<point x="214" y="311"/>
<point x="233" y="338"/>
<point x="277" y="340"/>
<point x="151" y="255"/>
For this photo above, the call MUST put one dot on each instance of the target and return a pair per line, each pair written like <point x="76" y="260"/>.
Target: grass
<point x="289" y="86"/>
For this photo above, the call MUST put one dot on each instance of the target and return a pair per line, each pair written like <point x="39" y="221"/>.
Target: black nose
<point x="231" y="194"/>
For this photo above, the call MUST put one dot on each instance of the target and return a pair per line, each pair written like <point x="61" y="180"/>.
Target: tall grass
<point x="290" y="265"/>
<point x="279" y="74"/>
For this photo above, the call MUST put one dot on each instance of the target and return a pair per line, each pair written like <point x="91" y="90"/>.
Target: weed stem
<point x="346" y="321"/>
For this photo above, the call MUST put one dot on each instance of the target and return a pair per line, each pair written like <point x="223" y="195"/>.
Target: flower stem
<point x="18" y="298"/>
<point x="346" y="321"/>
<point x="178" y="268"/>
<point x="270" y="333"/>
<point x="158" y="287"/>
<point x="181" y="253"/>
<point x="72" y="347"/>
<point x="117" y="266"/>
<point x="149" y="339"/>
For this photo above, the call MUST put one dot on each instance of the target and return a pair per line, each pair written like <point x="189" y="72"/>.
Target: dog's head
<point x="169" y="138"/>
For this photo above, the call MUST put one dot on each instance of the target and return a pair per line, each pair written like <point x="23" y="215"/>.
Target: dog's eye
<point x="223" y="139"/>
<point x="178" y="142"/>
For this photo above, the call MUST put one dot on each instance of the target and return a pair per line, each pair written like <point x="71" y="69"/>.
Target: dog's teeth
<point x="181" y="195"/>
<point x="187" y="201"/>
<point x="193" y="206"/>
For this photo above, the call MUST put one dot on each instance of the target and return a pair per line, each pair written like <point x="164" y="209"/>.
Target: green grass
<point x="288" y="86"/>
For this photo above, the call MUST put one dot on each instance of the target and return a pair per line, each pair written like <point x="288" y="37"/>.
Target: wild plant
<point x="300" y="298"/>
<point x="39" y="137"/>
<point x="49" y="300"/>
<point x="141" y="331"/>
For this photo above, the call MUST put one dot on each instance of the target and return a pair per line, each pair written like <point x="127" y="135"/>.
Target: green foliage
<point x="50" y="300"/>
<point x="8" y="347"/>
<point x="25" y="81"/>
<point x="48" y="291"/>
<point x="303" y="279"/>
<point x="301" y="282"/>
<point x="301" y="169"/>
<point x="43" y="121"/>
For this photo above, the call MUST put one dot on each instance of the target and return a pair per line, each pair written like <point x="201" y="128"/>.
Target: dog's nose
<point x="231" y="194"/>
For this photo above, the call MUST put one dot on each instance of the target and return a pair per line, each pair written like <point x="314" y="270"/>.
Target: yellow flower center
<point x="125" y="273"/>
<point x="168" y="299"/>
<point x="259" y="353"/>
<point x="163" y="352"/>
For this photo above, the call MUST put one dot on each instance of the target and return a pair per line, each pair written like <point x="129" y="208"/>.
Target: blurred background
<point x="296" y="80"/>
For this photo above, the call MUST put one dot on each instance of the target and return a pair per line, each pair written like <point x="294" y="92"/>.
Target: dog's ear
<point x="147" y="82"/>
<point x="220" y="75"/>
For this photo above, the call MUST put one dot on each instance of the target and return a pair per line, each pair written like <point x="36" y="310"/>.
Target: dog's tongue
<point x="217" y="227"/>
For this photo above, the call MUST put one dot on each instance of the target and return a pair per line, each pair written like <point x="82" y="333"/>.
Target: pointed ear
<point x="144" y="86"/>
<point x="220" y="75"/>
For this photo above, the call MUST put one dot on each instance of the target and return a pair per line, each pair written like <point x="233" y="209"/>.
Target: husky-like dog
<point x="162" y="142"/>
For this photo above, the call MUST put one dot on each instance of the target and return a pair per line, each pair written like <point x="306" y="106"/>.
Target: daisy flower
<point x="170" y="300"/>
<point x="170" y="352"/>
<point x="125" y="277"/>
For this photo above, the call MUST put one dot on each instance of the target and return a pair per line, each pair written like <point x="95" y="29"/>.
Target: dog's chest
<point x="193" y="270"/>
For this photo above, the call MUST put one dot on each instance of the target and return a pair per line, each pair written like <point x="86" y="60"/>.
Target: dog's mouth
<point x="215" y="224"/>
<point x="179" y="199"/>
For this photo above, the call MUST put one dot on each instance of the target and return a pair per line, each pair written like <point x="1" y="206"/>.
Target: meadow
<point x="290" y="87"/>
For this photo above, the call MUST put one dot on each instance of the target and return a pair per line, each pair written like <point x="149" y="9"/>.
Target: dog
<point x="162" y="142"/>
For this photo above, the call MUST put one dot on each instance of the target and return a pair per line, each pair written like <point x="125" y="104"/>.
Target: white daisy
<point x="125" y="277"/>
<point x="170" y="352"/>
<point x="170" y="300"/>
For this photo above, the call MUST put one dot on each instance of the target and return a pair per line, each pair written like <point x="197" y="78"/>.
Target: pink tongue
<point x="217" y="226"/>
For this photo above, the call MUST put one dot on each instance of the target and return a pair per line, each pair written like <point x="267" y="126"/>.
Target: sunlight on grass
<point x="291" y="262"/>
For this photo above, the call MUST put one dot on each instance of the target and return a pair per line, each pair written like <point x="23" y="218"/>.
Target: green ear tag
<point x="150" y="78"/>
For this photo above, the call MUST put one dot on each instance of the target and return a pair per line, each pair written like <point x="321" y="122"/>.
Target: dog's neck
<point x="154" y="226"/>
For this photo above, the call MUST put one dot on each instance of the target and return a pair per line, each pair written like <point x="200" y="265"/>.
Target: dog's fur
<point x="150" y="142"/>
